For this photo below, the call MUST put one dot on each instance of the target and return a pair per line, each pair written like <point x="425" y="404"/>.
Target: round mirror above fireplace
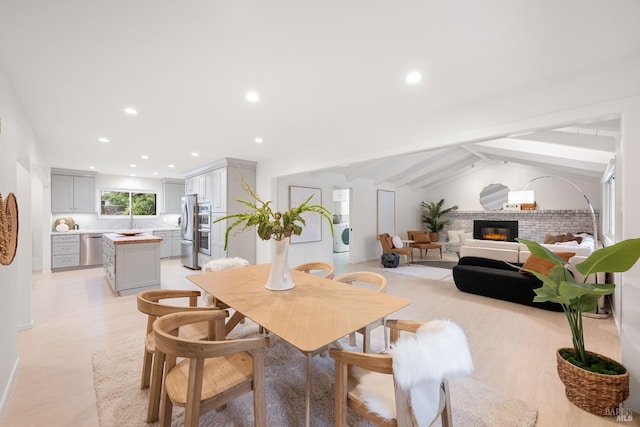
<point x="493" y="196"/>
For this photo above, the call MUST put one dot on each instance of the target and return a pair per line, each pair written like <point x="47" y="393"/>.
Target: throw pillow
<point x="551" y="239"/>
<point x="541" y="265"/>
<point x="421" y="238"/>
<point x="397" y="242"/>
<point x="570" y="237"/>
<point x="464" y="236"/>
<point x="454" y="236"/>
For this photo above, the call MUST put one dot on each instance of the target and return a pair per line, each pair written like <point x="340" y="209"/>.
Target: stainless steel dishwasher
<point x="90" y="249"/>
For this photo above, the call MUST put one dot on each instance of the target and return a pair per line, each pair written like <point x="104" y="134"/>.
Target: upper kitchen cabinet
<point x="73" y="193"/>
<point x="219" y="190"/>
<point x="200" y="185"/>
<point x="191" y="185"/>
<point x="173" y="192"/>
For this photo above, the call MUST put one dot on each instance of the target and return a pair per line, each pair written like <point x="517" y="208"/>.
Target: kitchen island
<point x="131" y="262"/>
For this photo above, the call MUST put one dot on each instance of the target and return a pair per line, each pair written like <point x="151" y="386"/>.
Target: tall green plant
<point x="431" y="213"/>
<point x="559" y="285"/>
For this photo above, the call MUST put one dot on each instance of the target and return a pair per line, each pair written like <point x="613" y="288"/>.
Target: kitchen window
<point x="123" y="203"/>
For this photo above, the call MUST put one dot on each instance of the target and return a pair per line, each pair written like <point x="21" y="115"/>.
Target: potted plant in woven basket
<point x="592" y="382"/>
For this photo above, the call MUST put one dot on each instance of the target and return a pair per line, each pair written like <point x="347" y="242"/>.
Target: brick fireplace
<point x="532" y="225"/>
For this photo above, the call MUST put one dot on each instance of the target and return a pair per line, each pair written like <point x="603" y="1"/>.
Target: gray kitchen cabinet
<point x="219" y="190"/>
<point x="200" y="185"/>
<point x="191" y="185"/>
<point x="166" y="246"/>
<point x="170" y="246"/>
<point x="131" y="266"/>
<point x="65" y="251"/>
<point x="173" y="192"/>
<point x="70" y="193"/>
<point x="176" y="237"/>
<point x="223" y="181"/>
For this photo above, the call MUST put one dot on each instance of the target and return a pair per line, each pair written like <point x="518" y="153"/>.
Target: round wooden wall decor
<point x="8" y="229"/>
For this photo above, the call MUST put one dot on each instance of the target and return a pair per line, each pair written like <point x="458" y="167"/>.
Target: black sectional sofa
<point x="497" y="279"/>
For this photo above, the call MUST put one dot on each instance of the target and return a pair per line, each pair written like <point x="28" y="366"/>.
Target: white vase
<point x="280" y="274"/>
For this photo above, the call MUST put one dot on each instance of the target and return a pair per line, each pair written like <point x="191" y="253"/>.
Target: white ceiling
<point x="330" y="75"/>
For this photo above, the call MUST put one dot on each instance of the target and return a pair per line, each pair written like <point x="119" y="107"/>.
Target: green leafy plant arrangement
<point x="559" y="285"/>
<point x="269" y="224"/>
<point x="431" y="213"/>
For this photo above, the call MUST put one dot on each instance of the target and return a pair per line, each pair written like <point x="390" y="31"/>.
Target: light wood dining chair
<point x="149" y="304"/>
<point x="210" y="374"/>
<point x="325" y="268"/>
<point x="407" y="386"/>
<point x="372" y="281"/>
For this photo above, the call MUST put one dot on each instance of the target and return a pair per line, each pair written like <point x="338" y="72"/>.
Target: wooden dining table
<point x="314" y="314"/>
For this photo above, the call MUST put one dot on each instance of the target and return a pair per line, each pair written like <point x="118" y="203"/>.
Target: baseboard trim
<point x="7" y="390"/>
<point x="25" y="326"/>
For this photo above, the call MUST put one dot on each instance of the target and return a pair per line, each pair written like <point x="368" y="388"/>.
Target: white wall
<point x="362" y="240"/>
<point x="551" y="194"/>
<point x="628" y="202"/>
<point x="18" y="151"/>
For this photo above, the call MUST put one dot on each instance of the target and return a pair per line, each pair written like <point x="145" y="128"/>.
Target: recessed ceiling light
<point x="132" y="165"/>
<point x="413" y="77"/>
<point x="253" y="97"/>
<point x="155" y="174"/>
<point x="103" y="140"/>
<point x="92" y="167"/>
<point x="259" y="140"/>
<point x="194" y="154"/>
<point x="133" y="174"/>
<point x="172" y="166"/>
<point x="130" y="110"/>
<point x="144" y="156"/>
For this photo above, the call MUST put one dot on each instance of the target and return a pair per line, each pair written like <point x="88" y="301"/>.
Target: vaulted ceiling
<point x="582" y="151"/>
<point x="330" y="76"/>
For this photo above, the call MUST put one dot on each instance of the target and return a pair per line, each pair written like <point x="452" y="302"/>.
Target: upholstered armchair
<point x="422" y="241"/>
<point x="387" y="246"/>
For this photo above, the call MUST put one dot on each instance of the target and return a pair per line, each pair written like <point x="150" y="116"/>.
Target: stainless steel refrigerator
<point x="189" y="228"/>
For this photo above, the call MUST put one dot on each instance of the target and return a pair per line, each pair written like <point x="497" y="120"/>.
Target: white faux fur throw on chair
<point x="221" y="264"/>
<point x="421" y="362"/>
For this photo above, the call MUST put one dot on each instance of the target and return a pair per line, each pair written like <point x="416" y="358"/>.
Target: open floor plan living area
<point x="285" y="213"/>
<point x="78" y="320"/>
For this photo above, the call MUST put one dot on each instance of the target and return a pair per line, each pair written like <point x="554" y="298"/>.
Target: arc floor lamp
<point x="593" y="212"/>
<point x="527" y="196"/>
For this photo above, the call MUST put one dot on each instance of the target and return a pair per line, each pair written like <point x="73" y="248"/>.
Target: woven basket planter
<point x="597" y="394"/>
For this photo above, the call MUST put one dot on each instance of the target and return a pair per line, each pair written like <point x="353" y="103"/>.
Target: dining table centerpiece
<point x="276" y="226"/>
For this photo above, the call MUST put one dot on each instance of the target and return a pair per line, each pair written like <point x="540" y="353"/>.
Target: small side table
<point x="426" y="247"/>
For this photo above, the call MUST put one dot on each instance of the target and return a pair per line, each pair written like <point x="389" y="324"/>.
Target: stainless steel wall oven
<point x="204" y="228"/>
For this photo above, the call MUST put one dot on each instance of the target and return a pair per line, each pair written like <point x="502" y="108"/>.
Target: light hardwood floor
<point x="75" y="313"/>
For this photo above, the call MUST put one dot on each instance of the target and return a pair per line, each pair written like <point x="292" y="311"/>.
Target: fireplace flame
<point x="494" y="236"/>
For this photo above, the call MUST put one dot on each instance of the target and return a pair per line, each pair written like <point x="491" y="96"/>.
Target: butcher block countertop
<point x="118" y="239"/>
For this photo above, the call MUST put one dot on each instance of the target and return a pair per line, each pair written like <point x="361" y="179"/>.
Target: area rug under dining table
<point x="120" y="401"/>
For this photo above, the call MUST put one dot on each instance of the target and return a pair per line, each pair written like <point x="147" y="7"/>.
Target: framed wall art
<point x="313" y="228"/>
